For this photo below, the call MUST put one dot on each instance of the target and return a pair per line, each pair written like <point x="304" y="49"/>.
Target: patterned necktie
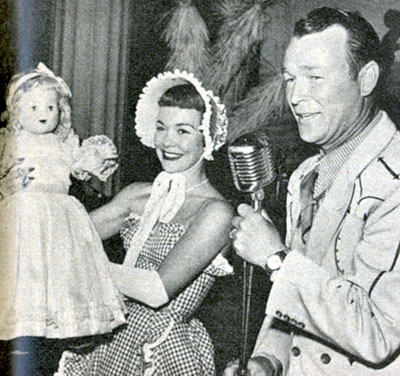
<point x="307" y="205"/>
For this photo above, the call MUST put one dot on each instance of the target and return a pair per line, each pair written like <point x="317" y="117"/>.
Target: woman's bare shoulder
<point x="218" y="205"/>
<point x="215" y="210"/>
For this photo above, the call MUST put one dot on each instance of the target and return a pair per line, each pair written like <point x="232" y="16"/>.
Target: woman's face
<point x="39" y="110"/>
<point x="178" y="141"/>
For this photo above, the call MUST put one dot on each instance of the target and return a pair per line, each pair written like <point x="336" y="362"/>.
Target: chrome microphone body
<point x="252" y="167"/>
<point x="251" y="163"/>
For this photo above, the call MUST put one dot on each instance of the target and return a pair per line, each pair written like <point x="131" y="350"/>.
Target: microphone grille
<point x="251" y="162"/>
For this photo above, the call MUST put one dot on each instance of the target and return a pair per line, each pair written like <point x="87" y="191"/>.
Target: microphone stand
<point x="256" y="201"/>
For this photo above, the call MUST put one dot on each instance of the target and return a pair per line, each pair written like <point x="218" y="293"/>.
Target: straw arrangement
<point x="233" y="63"/>
<point x="187" y="37"/>
<point x="242" y="30"/>
<point x="262" y="106"/>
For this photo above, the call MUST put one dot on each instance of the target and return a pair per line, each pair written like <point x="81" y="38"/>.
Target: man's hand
<point x="254" y="236"/>
<point x="257" y="366"/>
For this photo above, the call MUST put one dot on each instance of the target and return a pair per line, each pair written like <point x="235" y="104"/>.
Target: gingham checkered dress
<point x="187" y="349"/>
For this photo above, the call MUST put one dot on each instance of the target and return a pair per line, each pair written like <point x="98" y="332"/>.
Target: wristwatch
<point x="275" y="261"/>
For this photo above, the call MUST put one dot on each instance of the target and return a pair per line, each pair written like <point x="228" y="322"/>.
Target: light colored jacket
<point x="341" y="295"/>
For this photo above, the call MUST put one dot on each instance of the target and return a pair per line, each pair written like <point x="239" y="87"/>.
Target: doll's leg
<point x="23" y="357"/>
<point x="31" y="356"/>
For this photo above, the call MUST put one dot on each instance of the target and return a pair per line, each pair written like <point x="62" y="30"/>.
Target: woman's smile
<point x="171" y="156"/>
<point x="179" y="142"/>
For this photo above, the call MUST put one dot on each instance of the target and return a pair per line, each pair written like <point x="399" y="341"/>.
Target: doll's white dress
<point x="54" y="277"/>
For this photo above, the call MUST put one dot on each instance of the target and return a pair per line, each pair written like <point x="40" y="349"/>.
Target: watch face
<point x="274" y="262"/>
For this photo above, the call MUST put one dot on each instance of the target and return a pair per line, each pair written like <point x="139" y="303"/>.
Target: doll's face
<point x="39" y="111"/>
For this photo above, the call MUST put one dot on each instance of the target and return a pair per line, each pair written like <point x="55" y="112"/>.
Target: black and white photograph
<point x="199" y="187"/>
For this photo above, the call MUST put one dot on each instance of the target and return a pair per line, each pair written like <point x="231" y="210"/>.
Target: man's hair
<point x="363" y="42"/>
<point x="182" y="96"/>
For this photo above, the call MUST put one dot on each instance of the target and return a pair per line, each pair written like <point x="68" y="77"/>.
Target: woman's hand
<point x="15" y="179"/>
<point x="258" y="366"/>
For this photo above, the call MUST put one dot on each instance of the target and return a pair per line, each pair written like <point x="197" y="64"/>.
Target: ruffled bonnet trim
<point x="147" y="110"/>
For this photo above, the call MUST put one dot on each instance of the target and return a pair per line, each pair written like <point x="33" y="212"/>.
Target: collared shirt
<point x="331" y="163"/>
<point x="321" y="178"/>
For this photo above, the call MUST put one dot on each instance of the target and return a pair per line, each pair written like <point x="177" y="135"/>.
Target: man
<point x="334" y="305"/>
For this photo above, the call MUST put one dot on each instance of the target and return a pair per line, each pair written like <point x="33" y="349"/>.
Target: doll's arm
<point x="97" y="156"/>
<point x="7" y="146"/>
<point x="13" y="177"/>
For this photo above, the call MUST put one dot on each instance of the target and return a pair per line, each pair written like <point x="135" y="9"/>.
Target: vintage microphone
<point x="252" y="167"/>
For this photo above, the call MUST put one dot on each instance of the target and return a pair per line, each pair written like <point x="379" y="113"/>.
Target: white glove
<point x="143" y="285"/>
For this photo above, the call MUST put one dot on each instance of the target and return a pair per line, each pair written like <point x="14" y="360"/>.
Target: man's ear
<point x="368" y="78"/>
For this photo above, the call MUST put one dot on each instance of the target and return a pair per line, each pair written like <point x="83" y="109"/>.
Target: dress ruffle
<point x="55" y="281"/>
<point x="97" y="156"/>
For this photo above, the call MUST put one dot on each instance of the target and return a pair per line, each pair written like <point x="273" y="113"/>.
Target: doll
<point x="55" y="281"/>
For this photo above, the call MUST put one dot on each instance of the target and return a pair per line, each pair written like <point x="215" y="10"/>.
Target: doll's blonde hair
<point x="21" y="84"/>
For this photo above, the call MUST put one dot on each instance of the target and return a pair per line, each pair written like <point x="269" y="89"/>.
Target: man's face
<point x="320" y="89"/>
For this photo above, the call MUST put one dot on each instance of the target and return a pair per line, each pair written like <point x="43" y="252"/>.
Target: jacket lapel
<point x="337" y="199"/>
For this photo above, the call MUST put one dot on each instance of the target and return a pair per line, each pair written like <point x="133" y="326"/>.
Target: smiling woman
<point x="178" y="140"/>
<point x="175" y="231"/>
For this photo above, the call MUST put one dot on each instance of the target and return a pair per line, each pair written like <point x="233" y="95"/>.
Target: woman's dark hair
<point x="182" y="96"/>
<point x="363" y="42"/>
